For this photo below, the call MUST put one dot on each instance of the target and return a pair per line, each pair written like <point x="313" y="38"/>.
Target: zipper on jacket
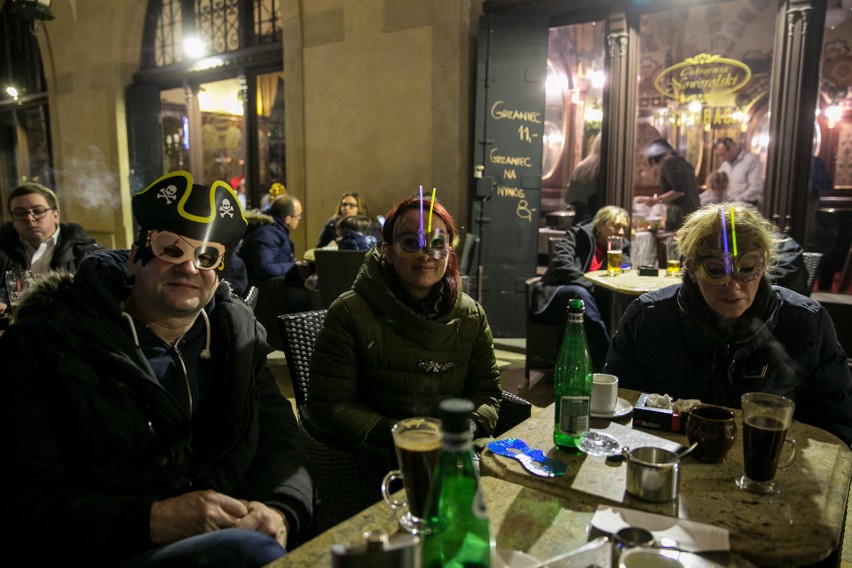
<point x="185" y="376"/>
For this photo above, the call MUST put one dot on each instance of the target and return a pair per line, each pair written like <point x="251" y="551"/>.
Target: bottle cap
<point x="455" y="414"/>
<point x="576" y="306"/>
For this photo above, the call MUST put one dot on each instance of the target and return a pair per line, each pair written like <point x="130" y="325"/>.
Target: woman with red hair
<point x="405" y="337"/>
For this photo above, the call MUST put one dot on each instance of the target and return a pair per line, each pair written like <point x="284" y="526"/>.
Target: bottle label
<point x="574" y="415"/>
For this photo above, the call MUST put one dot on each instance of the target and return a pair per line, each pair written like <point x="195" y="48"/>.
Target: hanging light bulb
<point x="833" y="114"/>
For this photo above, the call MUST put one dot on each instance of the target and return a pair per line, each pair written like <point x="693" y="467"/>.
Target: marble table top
<point x="800" y="525"/>
<point x="521" y="519"/>
<point x="630" y="283"/>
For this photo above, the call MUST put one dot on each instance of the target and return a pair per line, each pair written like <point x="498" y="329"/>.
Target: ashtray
<point x="600" y="444"/>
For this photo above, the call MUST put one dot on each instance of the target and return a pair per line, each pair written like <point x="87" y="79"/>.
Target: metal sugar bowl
<point x="653" y="474"/>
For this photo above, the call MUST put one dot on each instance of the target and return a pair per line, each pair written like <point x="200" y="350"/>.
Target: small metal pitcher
<point x="653" y="474"/>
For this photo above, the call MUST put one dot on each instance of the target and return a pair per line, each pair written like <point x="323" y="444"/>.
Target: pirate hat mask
<point x="208" y="214"/>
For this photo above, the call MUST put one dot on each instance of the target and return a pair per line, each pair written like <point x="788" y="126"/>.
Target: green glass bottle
<point x="457" y="532"/>
<point x="572" y="380"/>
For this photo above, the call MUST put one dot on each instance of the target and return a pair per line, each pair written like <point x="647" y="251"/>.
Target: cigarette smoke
<point x="88" y="182"/>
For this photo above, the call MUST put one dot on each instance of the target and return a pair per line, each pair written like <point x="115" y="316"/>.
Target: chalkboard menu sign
<point x="510" y="99"/>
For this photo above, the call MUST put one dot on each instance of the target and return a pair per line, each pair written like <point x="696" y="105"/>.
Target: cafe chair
<point x="812" y="260"/>
<point x="251" y="297"/>
<point x="543" y="339"/>
<point x="336" y="271"/>
<point x="846" y="273"/>
<point x="271" y="302"/>
<point x="347" y="479"/>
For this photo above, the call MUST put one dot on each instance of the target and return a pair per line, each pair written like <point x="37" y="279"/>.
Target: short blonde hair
<point x="702" y="230"/>
<point x="611" y="214"/>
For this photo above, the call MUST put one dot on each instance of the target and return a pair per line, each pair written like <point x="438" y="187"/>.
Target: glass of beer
<point x="613" y="255"/>
<point x="766" y="419"/>
<point x="672" y="258"/>
<point x="417" y="442"/>
<point x="17" y="282"/>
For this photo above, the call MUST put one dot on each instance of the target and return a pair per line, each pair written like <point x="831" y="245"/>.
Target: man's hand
<point x="192" y="514"/>
<point x="264" y="520"/>
<point x="3" y="308"/>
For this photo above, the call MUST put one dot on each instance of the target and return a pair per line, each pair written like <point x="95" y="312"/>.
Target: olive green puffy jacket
<point x="375" y="358"/>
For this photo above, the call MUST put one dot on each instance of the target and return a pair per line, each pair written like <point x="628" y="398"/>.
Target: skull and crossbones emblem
<point x="168" y="193"/>
<point x="226" y="208"/>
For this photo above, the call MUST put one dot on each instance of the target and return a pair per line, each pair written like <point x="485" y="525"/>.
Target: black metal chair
<point x="347" y="479"/>
<point x="336" y="271"/>
<point x="271" y="302"/>
<point x="812" y="260"/>
<point x="543" y="339"/>
<point x="251" y="297"/>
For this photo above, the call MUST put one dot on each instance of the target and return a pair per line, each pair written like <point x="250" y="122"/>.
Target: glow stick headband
<point x="431" y="208"/>
<point x="420" y="234"/>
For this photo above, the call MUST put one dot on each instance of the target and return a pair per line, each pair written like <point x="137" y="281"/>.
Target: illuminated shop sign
<point x="712" y="116"/>
<point x="702" y="77"/>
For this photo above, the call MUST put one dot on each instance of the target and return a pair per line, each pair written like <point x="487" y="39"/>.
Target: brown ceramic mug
<point x="715" y="430"/>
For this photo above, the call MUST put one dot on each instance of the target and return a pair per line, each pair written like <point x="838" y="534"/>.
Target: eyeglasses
<point x="347" y="205"/>
<point x="177" y="249"/>
<point x="435" y="245"/>
<point x="718" y="270"/>
<point x="36" y="212"/>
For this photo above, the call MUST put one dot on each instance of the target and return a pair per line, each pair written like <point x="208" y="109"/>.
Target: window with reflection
<point x="704" y="77"/>
<point x="829" y="226"/>
<point x="573" y="115"/>
<point x="227" y="56"/>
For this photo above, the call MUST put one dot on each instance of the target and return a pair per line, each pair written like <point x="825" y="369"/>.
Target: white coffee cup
<point x="604" y="393"/>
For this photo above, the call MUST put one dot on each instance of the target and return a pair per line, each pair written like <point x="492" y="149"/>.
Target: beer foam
<point x="418" y="440"/>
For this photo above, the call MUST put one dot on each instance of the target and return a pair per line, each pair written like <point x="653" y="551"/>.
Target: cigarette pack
<point x="652" y="418"/>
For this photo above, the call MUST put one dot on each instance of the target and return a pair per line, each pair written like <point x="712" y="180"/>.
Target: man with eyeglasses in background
<point x="36" y="240"/>
<point x="143" y="422"/>
<point x="743" y="170"/>
<point x="268" y="253"/>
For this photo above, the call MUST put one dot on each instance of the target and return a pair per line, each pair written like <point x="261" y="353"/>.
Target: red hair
<point x="452" y="276"/>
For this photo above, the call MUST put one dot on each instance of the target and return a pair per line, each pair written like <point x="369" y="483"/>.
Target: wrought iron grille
<point x="219" y="23"/>
<point x="267" y="21"/>
<point x="168" y="37"/>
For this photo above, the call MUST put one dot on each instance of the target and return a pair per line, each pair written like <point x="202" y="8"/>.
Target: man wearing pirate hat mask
<point x="155" y="418"/>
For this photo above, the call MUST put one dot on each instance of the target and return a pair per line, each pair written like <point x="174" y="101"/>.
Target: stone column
<point x="619" y="122"/>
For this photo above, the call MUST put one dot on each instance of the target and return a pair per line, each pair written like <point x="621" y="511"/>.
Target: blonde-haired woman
<point x="580" y="250"/>
<point x="726" y="330"/>
<point x="350" y="203"/>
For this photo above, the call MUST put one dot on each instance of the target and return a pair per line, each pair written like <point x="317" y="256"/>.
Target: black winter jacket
<point x="570" y="259"/>
<point x="668" y="342"/>
<point x="72" y="247"/>
<point x="91" y="439"/>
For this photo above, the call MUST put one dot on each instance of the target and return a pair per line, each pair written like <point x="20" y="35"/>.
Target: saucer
<point x="622" y="408"/>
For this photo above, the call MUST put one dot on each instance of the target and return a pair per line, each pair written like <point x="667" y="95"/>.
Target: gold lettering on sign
<point x="702" y="76"/>
<point x="504" y="191"/>
<point x="523" y="211"/>
<point x="496" y="158"/>
<point x="500" y="113"/>
<point x="510" y="174"/>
